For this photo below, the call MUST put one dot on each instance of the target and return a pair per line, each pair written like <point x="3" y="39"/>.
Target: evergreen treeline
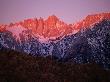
<point x="20" y="67"/>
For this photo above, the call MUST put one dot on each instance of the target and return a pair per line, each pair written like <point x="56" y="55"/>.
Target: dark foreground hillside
<point x="20" y="67"/>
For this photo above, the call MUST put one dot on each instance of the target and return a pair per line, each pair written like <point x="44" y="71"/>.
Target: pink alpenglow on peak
<point x="52" y="27"/>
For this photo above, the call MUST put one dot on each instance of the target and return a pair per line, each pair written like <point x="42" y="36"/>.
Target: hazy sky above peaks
<point x="69" y="11"/>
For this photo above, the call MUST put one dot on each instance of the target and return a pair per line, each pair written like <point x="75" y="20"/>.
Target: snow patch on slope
<point x="16" y="30"/>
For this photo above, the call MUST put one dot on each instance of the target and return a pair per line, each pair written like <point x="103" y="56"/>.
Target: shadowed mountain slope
<point x="20" y="67"/>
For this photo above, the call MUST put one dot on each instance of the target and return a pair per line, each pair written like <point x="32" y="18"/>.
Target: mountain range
<point x="83" y="42"/>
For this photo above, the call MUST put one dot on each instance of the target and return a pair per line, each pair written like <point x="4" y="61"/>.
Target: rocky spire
<point x="52" y="20"/>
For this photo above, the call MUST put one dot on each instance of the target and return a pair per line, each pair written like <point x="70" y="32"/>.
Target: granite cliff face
<point x="84" y="42"/>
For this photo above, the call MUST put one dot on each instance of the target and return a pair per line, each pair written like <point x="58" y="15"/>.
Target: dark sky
<point x="67" y="10"/>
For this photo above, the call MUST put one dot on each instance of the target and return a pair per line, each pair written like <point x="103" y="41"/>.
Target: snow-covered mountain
<point x="84" y="42"/>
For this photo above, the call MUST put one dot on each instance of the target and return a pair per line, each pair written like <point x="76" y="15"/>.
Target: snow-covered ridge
<point x="52" y="28"/>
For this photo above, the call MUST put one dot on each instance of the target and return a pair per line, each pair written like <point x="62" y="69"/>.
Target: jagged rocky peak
<point x="91" y="20"/>
<point x="53" y="22"/>
<point x="53" y="27"/>
<point x="99" y="16"/>
<point x="52" y="18"/>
